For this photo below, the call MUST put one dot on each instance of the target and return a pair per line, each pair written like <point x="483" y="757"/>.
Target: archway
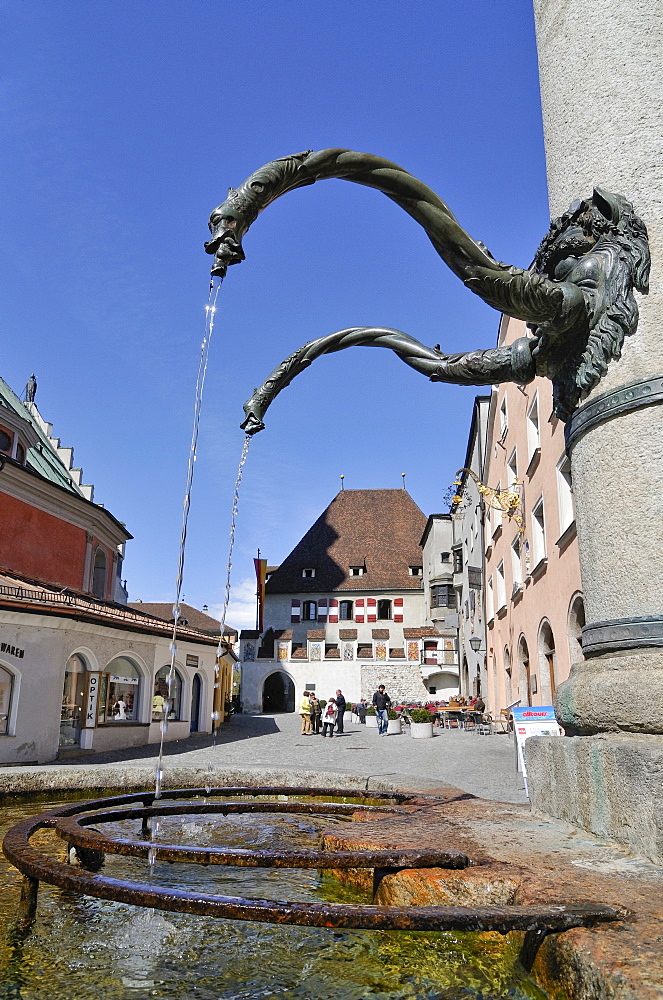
<point x="575" y="627"/>
<point x="547" y="662"/>
<point x="278" y="693"/>
<point x="196" y="691"/>
<point x="524" y="680"/>
<point x="73" y="697"/>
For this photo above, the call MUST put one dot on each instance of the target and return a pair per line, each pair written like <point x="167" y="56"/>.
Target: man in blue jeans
<point x="382" y="703"/>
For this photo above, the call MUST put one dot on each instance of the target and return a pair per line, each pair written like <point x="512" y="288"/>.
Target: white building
<point x="347" y="609"/>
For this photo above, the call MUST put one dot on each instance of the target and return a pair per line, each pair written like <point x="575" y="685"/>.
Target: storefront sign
<point x="534" y="720"/>
<point x="5" y="647"/>
<point x="116" y="679"/>
<point x="91" y="700"/>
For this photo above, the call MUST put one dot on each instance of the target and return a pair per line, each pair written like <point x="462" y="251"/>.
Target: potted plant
<point x="371" y="717"/>
<point x="393" y="723"/>
<point x="421" y="727"/>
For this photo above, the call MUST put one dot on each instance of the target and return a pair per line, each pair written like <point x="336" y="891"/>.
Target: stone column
<point x="602" y="95"/>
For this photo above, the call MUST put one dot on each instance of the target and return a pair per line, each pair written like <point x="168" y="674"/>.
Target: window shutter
<point x="322" y="610"/>
<point x="398" y="609"/>
<point x="295" y="611"/>
<point x="371" y="610"/>
<point x="359" y="611"/>
<point x="333" y="611"/>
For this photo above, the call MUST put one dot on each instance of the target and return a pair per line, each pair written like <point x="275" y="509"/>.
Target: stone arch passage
<point x="278" y="693"/>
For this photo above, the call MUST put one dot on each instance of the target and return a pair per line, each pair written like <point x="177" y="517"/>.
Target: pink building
<point x="533" y="597"/>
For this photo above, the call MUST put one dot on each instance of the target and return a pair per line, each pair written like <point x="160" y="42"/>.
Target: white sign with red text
<point x="533" y="720"/>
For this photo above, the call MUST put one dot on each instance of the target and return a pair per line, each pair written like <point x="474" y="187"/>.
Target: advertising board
<point x="532" y="720"/>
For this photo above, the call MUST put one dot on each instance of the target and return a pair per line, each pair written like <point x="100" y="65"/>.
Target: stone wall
<point x="403" y="681"/>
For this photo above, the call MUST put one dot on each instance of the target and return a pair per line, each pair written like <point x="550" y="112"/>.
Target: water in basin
<point x="90" y="949"/>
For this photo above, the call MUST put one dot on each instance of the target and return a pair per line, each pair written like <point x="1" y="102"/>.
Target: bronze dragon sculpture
<point x="577" y="296"/>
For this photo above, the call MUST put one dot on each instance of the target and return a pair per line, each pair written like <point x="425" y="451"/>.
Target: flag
<point x="261" y="573"/>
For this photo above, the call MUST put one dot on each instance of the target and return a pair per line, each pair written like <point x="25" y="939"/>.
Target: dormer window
<point x="357" y="571"/>
<point x="416" y="570"/>
<point x="308" y="573"/>
<point x="6" y="442"/>
<point x="20" y="453"/>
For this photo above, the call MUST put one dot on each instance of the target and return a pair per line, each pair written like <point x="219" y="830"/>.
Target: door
<point x="195" y="703"/>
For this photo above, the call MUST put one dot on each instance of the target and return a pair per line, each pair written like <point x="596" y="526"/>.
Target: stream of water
<point x="88" y="949"/>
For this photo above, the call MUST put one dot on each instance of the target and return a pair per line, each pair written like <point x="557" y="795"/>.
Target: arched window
<point x="547" y="661"/>
<point x="384" y="611"/>
<point x="123" y="693"/>
<point x="346" y="610"/>
<point x="524" y="679"/>
<point x="6" y="692"/>
<point x="507" y="676"/>
<point x="310" y="611"/>
<point x="160" y="695"/>
<point x="576" y="625"/>
<point x="73" y="697"/>
<point x="99" y="574"/>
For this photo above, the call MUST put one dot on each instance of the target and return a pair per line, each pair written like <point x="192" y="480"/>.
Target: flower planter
<point x="394" y="727"/>
<point x="372" y="721"/>
<point x="421" y="730"/>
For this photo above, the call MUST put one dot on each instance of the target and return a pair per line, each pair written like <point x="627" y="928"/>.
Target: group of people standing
<point x="321" y="718"/>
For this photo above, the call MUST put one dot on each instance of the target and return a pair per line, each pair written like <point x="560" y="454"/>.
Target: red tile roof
<point x="378" y="529"/>
<point x="422" y="632"/>
<point x="194" y="618"/>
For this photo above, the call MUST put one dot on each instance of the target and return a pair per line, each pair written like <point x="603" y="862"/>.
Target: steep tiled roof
<point x="376" y="529"/>
<point x="194" y="618"/>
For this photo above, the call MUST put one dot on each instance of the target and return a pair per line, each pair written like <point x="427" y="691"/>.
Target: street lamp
<point x="475" y="643"/>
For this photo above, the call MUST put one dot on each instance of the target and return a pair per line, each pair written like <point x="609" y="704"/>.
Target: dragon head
<point x="227" y="224"/>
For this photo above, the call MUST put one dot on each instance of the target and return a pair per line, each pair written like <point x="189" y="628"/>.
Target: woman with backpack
<point x="329" y="717"/>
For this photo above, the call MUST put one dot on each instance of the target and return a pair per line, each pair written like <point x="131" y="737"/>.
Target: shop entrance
<point x="195" y="703"/>
<point x="278" y="693"/>
<point x="73" y="696"/>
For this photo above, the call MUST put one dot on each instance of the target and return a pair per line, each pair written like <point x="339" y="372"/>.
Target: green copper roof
<point x="42" y="456"/>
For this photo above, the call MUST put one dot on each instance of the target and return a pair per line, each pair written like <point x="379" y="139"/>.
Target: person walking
<point x="305" y="712"/>
<point x="329" y="718"/>
<point x="360" y="711"/>
<point x="382" y="703"/>
<point x="340" y="709"/>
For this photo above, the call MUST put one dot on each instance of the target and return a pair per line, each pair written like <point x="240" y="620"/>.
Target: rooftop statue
<point x="576" y="297"/>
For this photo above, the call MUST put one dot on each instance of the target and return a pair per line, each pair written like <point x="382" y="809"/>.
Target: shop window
<point x="122" y="690"/>
<point x="6" y="692"/>
<point x="346" y="611"/>
<point x="310" y="611"/>
<point x="73" y="699"/>
<point x="384" y="611"/>
<point x="99" y="574"/>
<point x="162" y="699"/>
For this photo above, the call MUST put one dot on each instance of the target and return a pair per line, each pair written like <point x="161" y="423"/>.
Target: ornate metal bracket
<point x="577" y="296"/>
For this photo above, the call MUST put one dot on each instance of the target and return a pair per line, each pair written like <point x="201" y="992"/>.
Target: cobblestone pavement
<point x="482" y="765"/>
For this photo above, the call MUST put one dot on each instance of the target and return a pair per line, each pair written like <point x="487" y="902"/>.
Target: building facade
<point x="533" y="599"/>
<point x="347" y="609"/>
<point x="79" y="670"/>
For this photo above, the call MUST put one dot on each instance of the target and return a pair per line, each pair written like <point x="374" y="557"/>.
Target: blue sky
<point x="124" y="123"/>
